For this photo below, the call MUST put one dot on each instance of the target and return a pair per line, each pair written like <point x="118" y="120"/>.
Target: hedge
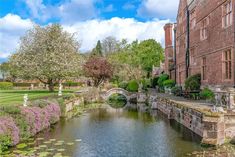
<point x="133" y="86"/>
<point x="6" y="85"/>
<point x="193" y="82"/>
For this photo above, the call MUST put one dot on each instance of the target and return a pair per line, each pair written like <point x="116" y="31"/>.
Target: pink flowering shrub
<point x="19" y="123"/>
<point x="41" y="118"/>
<point x="9" y="128"/>
<point x="52" y="112"/>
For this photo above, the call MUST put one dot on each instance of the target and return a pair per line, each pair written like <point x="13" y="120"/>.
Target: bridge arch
<point x="120" y="91"/>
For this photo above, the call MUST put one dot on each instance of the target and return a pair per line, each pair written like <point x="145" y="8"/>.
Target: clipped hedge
<point x="6" y="85"/>
<point x="193" y="82"/>
<point x="169" y="83"/>
<point x="72" y="84"/>
<point x="162" y="78"/>
<point x="133" y="86"/>
<point x="207" y="94"/>
<point x="24" y="84"/>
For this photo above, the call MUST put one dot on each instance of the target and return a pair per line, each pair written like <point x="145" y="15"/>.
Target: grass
<point x="10" y="97"/>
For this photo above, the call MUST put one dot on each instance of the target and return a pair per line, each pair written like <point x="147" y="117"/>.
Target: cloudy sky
<point x="92" y="20"/>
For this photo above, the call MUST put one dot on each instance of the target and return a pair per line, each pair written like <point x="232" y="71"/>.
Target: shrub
<point x="133" y="86"/>
<point x="169" y="83"/>
<point x="5" y="142"/>
<point x="176" y="90"/>
<point x="71" y="84"/>
<point x="9" y="128"/>
<point x="123" y="85"/>
<point x="24" y="84"/>
<point x="161" y="80"/>
<point x="193" y="82"/>
<point x="155" y="82"/>
<point x="146" y="84"/>
<point x="6" y="85"/>
<point x="207" y="94"/>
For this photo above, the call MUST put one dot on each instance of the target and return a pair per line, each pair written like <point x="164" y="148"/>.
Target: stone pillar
<point x="168" y="46"/>
<point x="231" y="99"/>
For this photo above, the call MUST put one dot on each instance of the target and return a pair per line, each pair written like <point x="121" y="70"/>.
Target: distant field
<point x="16" y="96"/>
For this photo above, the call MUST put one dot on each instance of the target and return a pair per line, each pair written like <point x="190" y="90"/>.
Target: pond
<point x="115" y="133"/>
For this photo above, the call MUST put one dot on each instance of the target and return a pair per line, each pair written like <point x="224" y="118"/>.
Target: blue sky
<point x="92" y="20"/>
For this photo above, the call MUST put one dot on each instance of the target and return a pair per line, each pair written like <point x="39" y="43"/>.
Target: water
<point x="106" y="133"/>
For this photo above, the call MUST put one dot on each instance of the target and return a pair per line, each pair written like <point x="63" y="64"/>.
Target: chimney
<point x="168" y="34"/>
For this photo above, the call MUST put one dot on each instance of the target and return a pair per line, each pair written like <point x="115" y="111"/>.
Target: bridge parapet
<point x="121" y="91"/>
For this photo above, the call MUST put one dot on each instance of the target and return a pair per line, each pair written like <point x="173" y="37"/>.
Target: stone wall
<point x="215" y="129"/>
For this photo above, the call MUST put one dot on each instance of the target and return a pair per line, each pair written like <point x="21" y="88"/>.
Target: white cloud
<point x="158" y="8"/>
<point x="67" y="12"/>
<point x="75" y="10"/>
<point x="12" y="27"/>
<point x="121" y="28"/>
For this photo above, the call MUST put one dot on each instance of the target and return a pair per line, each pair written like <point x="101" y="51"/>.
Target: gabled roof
<point x="183" y="3"/>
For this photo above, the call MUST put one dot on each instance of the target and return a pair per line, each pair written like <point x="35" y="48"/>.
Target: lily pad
<point x="43" y="154"/>
<point x="78" y="140"/>
<point x="60" y="150"/>
<point x="58" y="144"/>
<point x="21" y="145"/>
<point x="47" y="142"/>
<point x="70" y="143"/>
<point x="40" y="139"/>
<point x="58" y="155"/>
<point x="43" y="146"/>
<point x="52" y="140"/>
<point x="61" y="141"/>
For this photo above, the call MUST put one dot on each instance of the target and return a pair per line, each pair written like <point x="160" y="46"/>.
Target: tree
<point x="97" y="51"/>
<point x="99" y="69"/>
<point x="110" y="45"/>
<point x="48" y="54"/>
<point x="149" y="53"/>
<point x="4" y="70"/>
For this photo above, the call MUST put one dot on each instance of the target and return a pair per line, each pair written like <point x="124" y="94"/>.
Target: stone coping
<point x="198" y="105"/>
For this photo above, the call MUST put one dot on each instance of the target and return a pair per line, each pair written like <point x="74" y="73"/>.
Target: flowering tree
<point x="48" y="54"/>
<point x="99" y="69"/>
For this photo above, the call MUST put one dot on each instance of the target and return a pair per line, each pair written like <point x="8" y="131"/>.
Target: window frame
<point x="227" y="14"/>
<point x="204" y="68"/>
<point x="227" y="65"/>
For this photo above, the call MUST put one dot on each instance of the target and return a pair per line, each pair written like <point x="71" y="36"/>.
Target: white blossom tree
<point x="48" y="54"/>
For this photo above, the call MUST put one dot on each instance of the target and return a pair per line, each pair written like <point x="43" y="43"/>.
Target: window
<point x="227" y="64"/>
<point x="203" y="32"/>
<point x="193" y="19"/>
<point x="204" y="68"/>
<point x="192" y="56"/>
<point x="180" y="19"/>
<point x="227" y="14"/>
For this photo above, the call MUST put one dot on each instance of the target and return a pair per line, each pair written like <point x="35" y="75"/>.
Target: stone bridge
<point x="128" y="95"/>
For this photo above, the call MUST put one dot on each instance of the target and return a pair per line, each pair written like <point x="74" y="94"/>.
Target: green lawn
<point x="16" y="96"/>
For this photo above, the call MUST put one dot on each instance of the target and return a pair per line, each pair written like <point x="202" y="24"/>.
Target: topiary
<point x="193" y="82"/>
<point x="207" y="94"/>
<point x="133" y="86"/>
<point x="162" y="78"/>
<point x="6" y="85"/>
<point x="169" y="83"/>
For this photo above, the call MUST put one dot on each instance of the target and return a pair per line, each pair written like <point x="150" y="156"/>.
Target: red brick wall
<point x="212" y="48"/>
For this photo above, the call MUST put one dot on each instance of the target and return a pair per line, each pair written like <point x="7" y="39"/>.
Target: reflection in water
<point x="118" y="133"/>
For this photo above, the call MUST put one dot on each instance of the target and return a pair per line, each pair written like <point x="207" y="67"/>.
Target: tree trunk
<point x="51" y="85"/>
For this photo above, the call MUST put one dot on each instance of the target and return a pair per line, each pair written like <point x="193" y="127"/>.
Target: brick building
<point x="204" y="42"/>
